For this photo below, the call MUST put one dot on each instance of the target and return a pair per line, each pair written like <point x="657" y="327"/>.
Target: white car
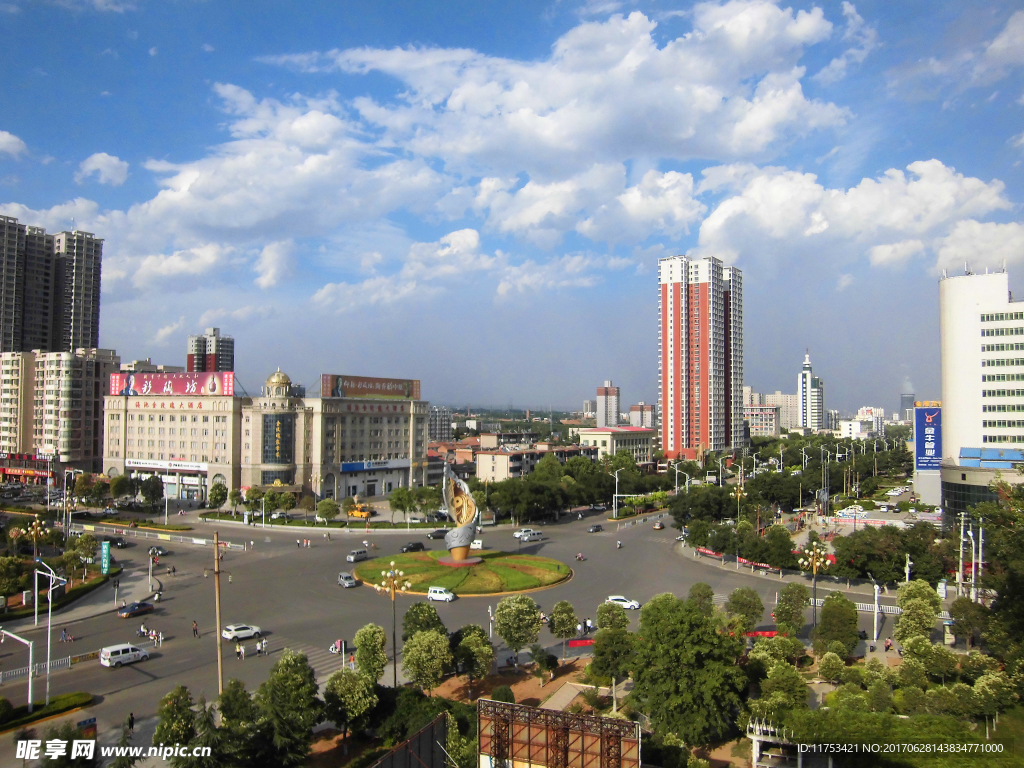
<point x="525" y="532"/>
<point x="477" y="544"/>
<point x="440" y="593"/>
<point x="240" y="631"/>
<point x="631" y="605"/>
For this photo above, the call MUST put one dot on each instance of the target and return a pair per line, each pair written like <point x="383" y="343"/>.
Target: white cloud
<point x="108" y="169"/>
<point x="275" y="263"/>
<point x="168" y="331"/>
<point x="153" y="51"/>
<point x="890" y="218"/>
<point x="11" y="144"/>
<point x="864" y="38"/>
<point x="248" y="312"/>
<point x="569" y="271"/>
<point x="729" y="88"/>
<point x="208" y="48"/>
<point x="844" y="282"/>
<point x="981" y="245"/>
<point x="184" y="265"/>
<point x="662" y="203"/>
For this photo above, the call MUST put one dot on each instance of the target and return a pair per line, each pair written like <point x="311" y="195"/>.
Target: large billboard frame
<point x="368" y="387"/>
<point x="194" y="384"/>
<point x="927" y="436"/>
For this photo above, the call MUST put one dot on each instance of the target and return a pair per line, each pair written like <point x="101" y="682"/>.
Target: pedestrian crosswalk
<point x="323" y="662"/>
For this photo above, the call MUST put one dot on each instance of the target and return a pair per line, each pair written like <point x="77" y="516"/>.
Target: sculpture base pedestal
<point x="447" y="560"/>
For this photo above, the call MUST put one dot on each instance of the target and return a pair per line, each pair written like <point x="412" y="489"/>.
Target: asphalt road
<point x="292" y="594"/>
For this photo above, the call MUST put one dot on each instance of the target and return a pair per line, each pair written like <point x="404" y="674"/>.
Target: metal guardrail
<point x="645" y="519"/>
<point x="113" y="530"/>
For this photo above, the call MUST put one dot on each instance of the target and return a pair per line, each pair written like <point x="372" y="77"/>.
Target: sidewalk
<point x="134" y="588"/>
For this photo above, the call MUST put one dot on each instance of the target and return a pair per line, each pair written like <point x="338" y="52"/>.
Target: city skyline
<point x="348" y="178"/>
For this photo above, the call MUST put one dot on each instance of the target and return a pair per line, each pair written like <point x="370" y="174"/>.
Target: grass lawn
<point x="499" y="572"/>
<point x="59" y="703"/>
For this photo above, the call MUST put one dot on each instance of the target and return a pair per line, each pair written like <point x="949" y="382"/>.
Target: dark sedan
<point x="413" y="546"/>
<point x="440" y="533"/>
<point x="135" y="609"/>
<point x="595" y="529"/>
<point x="116" y="541"/>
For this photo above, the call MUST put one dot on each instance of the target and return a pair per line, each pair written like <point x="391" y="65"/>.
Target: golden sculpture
<point x="462" y="510"/>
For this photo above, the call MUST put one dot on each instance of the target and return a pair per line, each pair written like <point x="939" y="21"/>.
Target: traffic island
<point x="496" y="572"/>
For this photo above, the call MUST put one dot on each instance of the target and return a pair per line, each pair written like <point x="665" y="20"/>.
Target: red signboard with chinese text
<point x="212" y="384"/>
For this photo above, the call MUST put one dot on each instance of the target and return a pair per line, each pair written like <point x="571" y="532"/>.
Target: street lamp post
<point x="721" y="472"/>
<point x="31" y="660"/>
<point x="53" y="577"/>
<point x="803" y="452"/>
<point x="974" y="566"/>
<point x="678" y="472"/>
<point x="615" y="501"/>
<point x="814" y="558"/>
<point x="875" y="625"/>
<point x="391" y="585"/>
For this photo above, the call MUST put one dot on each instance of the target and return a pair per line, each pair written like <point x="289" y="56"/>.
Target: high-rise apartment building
<point x="700" y="355"/>
<point x="589" y="408"/>
<point x="210" y="352"/>
<point x="49" y="289"/>
<point x="51" y="404"/>
<point x="641" y="415"/>
<point x="607" y="405"/>
<point x="811" y="391"/>
<point x="906" y="412"/>
<point x="439" y="423"/>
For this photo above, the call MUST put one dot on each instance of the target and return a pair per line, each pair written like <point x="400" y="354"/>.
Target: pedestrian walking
<point x="195" y="630"/>
<point x="366" y="545"/>
<point x="352" y="661"/>
<point x="174" y="571"/>
<point x="579" y="629"/>
<point x="298" y="544"/>
<point x="64" y="635"/>
<point x="590" y="626"/>
<point x="328" y="535"/>
<point x="243" y="652"/>
<point x="131" y="722"/>
<point x="238" y="650"/>
<point x="259" y="648"/>
<point x="264" y="641"/>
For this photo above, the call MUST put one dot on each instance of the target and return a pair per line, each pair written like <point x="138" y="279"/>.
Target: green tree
<point x="401" y="500"/>
<point x="348" y="696"/>
<point x="218" y="495"/>
<point x="544" y="663"/>
<point x="125" y="760"/>
<point x="120" y="486"/>
<point x="242" y="741"/>
<point x="745" y="604"/>
<point x="786" y="683"/>
<point x="993" y="693"/>
<point x="176" y="724"/>
<point x="288" y="705"/>
<point x="83" y="485"/>
<point x="99" y="491"/>
<point x="371" y="656"/>
<point x="941" y="663"/>
<point x="503" y="693"/>
<point x="879" y="697"/>
<point x="837" y="621"/>
<point x="327" y="509"/>
<point x="613" y="656"/>
<point x="918" y="590"/>
<point x="685" y="671"/>
<point x="9" y="572"/>
<point x="917" y="620"/>
<point x="271" y="501"/>
<point x="789" y="613"/>
<point x="969" y="619"/>
<point x="831" y="667"/>
<point x="517" y="622"/>
<point x="235" y="497"/>
<point x="702" y="596"/>
<point x="424" y="658"/>
<point x="562" y="621"/>
<point x="152" y="489"/>
<point x="67" y="732"/>
<point x="911" y="674"/>
<point x="208" y="735"/>
<point x="476" y="655"/>
<point x="612" y="616"/>
<point x="286" y="501"/>
<point x="421" y="617"/>
<point x="254" y="499"/>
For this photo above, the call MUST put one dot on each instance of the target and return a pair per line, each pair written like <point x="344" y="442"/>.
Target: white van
<point x="440" y="593"/>
<point x="356" y="555"/>
<point x="477" y="544"/>
<point x="532" y="536"/>
<point x="116" y="655"/>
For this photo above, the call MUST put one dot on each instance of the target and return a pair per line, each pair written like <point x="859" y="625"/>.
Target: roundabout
<point x="496" y="572"/>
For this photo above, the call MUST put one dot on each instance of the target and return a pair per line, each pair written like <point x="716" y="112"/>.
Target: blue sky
<point x="476" y="194"/>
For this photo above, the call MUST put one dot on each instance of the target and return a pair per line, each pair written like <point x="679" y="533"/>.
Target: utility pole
<point x="216" y="588"/>
<point x="981" y="549"/>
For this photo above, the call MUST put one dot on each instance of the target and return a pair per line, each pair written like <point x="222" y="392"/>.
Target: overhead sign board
<point x="340" y="385"/>
<point x="211" y="384"/>
<point x="927" y="437"/>
<point x="104" y="557"/>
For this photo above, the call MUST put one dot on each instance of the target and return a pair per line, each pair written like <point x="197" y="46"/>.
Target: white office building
<point x="811" y="391"/>
<point x="607" y="405"/>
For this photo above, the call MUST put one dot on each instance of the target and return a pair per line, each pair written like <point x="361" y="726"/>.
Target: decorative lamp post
<point x="36" y="530"/>
<point x="391" y="585"/>
<point x="739" y="493"/>
<point x="812" y="558"/>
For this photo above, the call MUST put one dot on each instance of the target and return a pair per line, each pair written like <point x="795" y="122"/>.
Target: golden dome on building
<point x="279" y="384"/>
